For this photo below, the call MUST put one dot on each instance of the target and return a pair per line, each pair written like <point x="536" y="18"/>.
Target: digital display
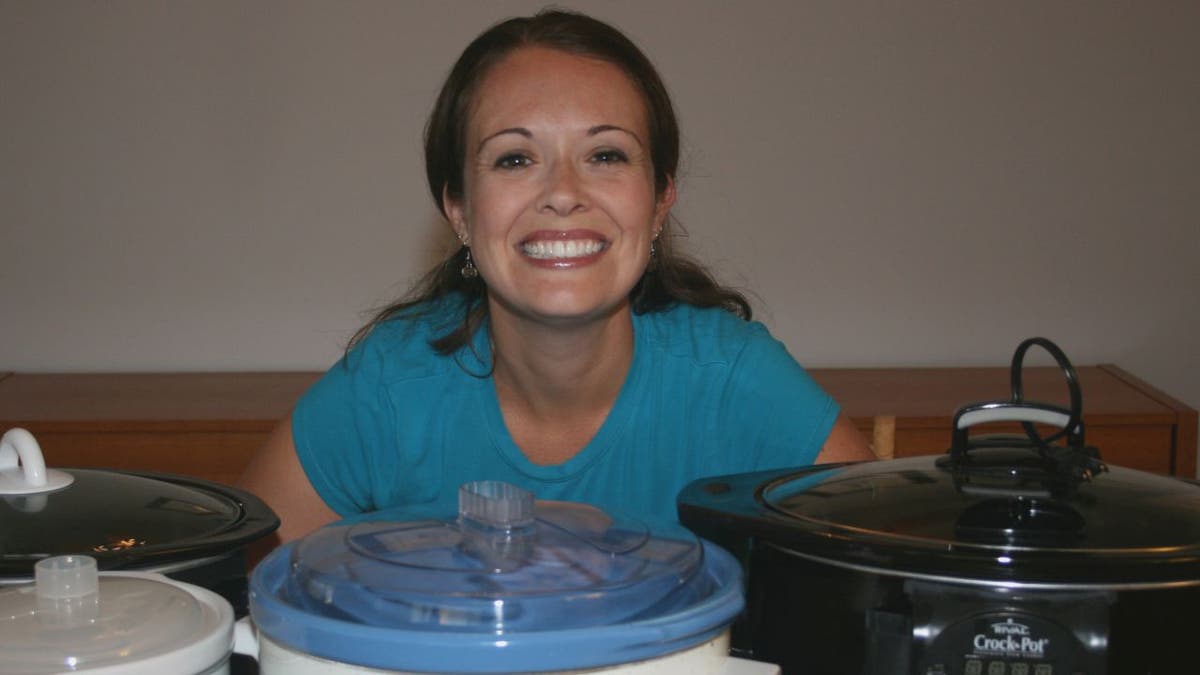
<point x="975" y="666"/>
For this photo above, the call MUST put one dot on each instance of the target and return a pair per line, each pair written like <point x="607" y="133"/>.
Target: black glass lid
<point x="1027" y="509"/>
<point x="128" y="520"/>
<point x="911" y="517"/>
<point x="914" y="501"/>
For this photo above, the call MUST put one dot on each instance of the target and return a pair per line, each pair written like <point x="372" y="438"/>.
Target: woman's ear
<point x="453" y="209"/>
<point x="663" y="204"/>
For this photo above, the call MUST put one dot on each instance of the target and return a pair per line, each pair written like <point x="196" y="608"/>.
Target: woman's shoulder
<point x="399" y="347"/>
<point x="700" y="333"/>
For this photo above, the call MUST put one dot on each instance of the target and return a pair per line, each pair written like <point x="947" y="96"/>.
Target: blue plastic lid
<point x="509" y="584"/>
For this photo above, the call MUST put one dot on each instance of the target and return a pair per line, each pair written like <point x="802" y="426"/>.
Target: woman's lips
<point x="558" y="248"/>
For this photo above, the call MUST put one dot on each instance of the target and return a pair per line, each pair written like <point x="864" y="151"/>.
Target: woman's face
<point x="558" y="203"/>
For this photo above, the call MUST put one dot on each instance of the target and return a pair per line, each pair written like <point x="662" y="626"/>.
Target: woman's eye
<point x="609" y="157"/>
<point x="512" y="161"/>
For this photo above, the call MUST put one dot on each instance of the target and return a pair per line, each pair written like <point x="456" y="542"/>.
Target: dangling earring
<point x="653" y="262"/>
<point x="468" y="270"/>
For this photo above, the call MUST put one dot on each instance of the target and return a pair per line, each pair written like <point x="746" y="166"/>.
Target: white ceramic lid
<point x="72" y="619"/>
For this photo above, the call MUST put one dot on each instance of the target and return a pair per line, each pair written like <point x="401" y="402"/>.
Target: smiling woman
<point x="559" y="204"/>
<point x="565" y="347"/>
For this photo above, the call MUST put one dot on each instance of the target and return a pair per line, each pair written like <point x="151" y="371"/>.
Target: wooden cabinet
<point x="209" y="424"/>
<point x="199" y="424"/>
<point x="1130" y="422"/>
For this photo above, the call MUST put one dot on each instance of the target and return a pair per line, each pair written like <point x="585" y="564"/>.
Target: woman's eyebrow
<point x="521" y="131"/>
<point x="612" y="127"/>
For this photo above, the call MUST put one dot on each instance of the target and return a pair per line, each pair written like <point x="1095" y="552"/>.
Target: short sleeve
<point x="783" y="415"/>
<point x="336" y="424"/>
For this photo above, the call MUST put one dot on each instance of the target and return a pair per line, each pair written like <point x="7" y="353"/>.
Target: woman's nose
<point x="563" y="193"/>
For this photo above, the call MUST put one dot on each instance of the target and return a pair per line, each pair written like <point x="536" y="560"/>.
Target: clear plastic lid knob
<point x="66" y="577"/>
<point x="495" y="504"/>
<point x="497" y="523"/>
<point x="68" y="591"/>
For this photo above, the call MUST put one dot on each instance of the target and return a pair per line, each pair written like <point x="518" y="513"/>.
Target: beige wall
<point x="230" y="185"/>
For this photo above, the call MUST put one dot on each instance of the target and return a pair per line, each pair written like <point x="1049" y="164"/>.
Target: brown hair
<point x="671" y="278"/>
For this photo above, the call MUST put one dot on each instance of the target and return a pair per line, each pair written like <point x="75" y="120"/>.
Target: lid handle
<point x="1074" y="460"/>
<point x="68" y="590"/>
<point x="1011" y="412"/>
<point x="23" y="469"/>
<point x="66" y="577"/>
<point x="497" y="523"/>
<point x="495" y="504"/>
<point x="1073" y="428"/>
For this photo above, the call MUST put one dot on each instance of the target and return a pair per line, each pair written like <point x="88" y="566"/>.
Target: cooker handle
<point x="1007" y="411"/>
<point x="1072" y="381"/>
<point x="18" y="448"/>
<point x="1075" y="459"/>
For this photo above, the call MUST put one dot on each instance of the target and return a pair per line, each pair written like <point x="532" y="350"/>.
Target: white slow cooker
<point x="508" y="584"/>
<point x="73" y="619"/>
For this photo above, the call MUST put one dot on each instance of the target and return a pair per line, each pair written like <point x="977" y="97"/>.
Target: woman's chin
<point x="563" y="311"/>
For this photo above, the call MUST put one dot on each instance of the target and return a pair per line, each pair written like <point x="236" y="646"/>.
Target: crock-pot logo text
<point x="1011" y="639"/>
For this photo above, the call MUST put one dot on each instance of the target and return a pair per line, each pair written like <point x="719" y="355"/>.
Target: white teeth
<point x="573" y="248"/>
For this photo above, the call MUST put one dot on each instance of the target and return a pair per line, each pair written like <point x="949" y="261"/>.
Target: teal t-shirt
<point x="396" y="424"/>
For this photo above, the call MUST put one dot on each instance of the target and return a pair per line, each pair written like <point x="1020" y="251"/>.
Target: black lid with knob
<point x="122" y="519"/>
<point x="1019" y="510"/>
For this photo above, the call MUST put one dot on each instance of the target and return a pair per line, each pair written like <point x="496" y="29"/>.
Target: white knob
<point x="23" y="469"/>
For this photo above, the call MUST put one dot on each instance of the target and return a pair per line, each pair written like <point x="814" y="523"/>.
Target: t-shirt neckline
<point x="605" y="439"/>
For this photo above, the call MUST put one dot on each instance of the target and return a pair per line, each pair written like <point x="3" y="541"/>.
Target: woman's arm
<point x="275" y="476"/>
<point x="844" y="444"/>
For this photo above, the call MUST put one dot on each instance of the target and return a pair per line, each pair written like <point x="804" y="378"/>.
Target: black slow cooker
<point x="1009" y="555"/>
<point x="189" y="529"/>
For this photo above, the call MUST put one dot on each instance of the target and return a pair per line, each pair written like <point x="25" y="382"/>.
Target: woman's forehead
<point x="542" y="86"/>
